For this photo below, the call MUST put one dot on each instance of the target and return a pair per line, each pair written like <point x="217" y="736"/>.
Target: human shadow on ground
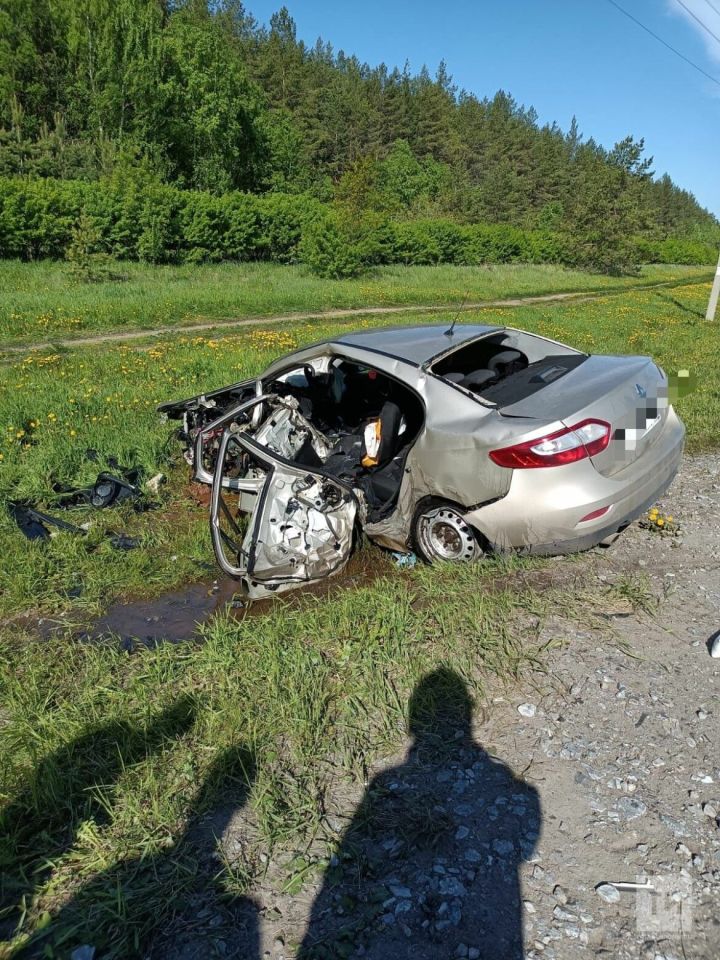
<point x="167" y="905"/>
<point x="41" y="822"/>
<point x="430" y="861"/>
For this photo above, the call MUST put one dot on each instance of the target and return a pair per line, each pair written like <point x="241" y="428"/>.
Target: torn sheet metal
<point x="299" y="531"/>
<point x="392" y="531"/>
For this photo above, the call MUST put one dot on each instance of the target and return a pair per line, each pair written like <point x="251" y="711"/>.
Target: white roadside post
<point x="714" y="294"/>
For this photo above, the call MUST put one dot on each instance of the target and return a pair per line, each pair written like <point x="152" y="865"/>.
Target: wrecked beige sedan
<point x="452" y="442"/>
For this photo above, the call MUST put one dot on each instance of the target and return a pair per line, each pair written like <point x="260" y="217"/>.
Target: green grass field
<point x="106" y="755"/>
<point x="41" y="300"/>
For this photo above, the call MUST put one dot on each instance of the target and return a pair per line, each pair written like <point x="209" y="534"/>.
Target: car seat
<point x="387" y="427"/>
<point x="478" y="379"/>
<point x="507" y="362"/>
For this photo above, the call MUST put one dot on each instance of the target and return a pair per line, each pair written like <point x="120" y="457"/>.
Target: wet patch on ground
<point x="172" y="617"/>
<point x="176" y="616"/>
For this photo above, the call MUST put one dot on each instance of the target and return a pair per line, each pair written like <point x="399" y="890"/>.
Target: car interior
<point x="506" y="367"/>
<point x="340" y="403"/>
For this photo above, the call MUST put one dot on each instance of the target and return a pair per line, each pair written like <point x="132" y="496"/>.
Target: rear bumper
<point x="542" y="512"/>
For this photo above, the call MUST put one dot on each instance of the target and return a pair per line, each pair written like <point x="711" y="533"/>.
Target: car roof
<point x="416" y="344"/>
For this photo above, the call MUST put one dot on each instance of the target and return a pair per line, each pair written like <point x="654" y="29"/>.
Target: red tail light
<point x="595" y="514"/>
<point x="584" y="439"/>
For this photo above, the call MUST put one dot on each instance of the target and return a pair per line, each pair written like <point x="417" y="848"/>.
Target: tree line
<point x="196" y="95"/>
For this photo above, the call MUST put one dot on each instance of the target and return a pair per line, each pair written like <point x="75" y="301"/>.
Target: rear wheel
<point x="440" y="533"/>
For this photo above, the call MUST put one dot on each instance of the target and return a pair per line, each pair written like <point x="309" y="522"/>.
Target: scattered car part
<point x="34" y="526"/>
<point x="155" y="482"/>
<point x="110" y="489"/>
<point x="455" y="442"/>
<point x="33" y="523"/>
<point x="121" y="541"/>
<point x="107" y="491"/>
<point x="405" y="561"/>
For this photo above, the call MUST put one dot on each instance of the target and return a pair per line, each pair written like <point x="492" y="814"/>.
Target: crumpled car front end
<point x="275" y="523"/>
<point x="298" y="460"/>
<point x="298" y="524"/>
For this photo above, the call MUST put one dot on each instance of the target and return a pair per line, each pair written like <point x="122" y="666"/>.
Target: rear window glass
<point x="534" y="377"/>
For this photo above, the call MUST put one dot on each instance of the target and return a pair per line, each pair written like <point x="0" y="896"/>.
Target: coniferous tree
<point x="196" y="93"/>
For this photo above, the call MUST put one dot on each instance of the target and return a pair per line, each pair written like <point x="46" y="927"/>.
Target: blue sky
<point x="563" y="57"/>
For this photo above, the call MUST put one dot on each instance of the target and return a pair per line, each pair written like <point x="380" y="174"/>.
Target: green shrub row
<point x="150" y="222"/>
<point x="160" y="224"/>
<point x="337" y="247"/>
<point x="675" y="250"/>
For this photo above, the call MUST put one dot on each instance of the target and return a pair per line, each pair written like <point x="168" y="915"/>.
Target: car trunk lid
<point x="629" y="393"/>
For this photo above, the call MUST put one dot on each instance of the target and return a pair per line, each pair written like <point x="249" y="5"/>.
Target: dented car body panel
<point x="386" y="430"/>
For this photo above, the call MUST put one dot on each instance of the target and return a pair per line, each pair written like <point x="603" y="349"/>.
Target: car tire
<point x="440" y="534"/>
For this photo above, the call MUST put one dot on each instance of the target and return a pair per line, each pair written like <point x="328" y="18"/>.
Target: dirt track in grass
<point x="240" y="322"/>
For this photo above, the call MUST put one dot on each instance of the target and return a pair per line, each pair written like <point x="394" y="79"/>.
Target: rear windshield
<point x="523" y="383"/>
